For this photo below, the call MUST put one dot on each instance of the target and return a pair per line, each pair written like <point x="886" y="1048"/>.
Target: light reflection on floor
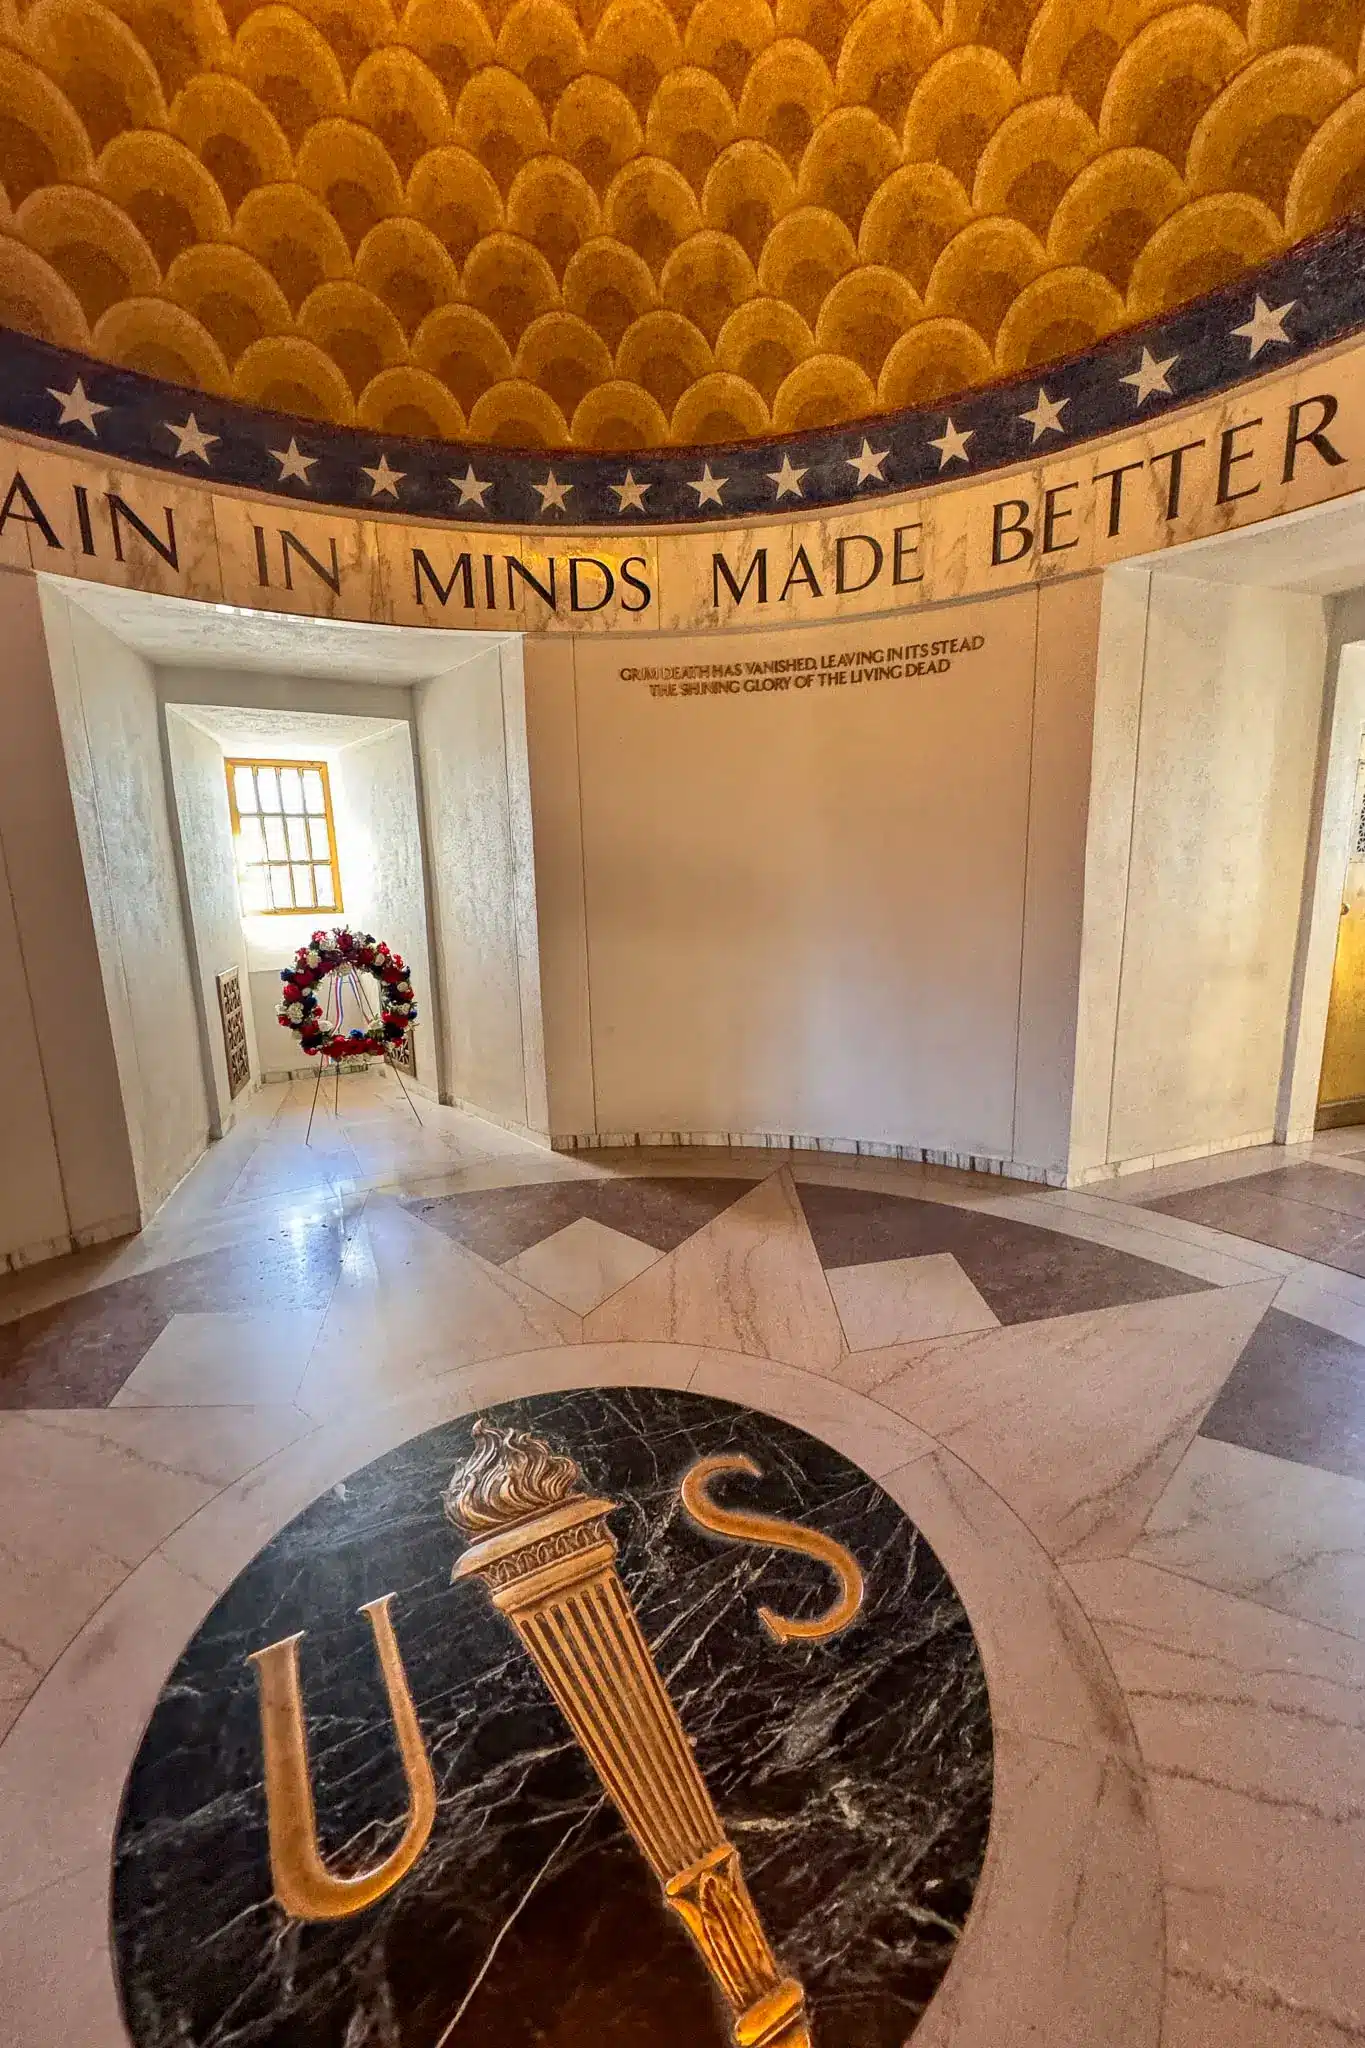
<point x="1130" y="1425"/>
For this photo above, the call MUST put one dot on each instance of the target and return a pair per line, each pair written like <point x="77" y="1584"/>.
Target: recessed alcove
<point x="1039" y="884"/>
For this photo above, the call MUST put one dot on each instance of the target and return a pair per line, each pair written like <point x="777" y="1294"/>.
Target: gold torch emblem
<point x="548" y="1560"/>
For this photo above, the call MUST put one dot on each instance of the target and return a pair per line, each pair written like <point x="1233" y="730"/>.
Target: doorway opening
<point x="1341" y="1088"/>
<point x="299" y="821"/>
<point x="242" y="779"/>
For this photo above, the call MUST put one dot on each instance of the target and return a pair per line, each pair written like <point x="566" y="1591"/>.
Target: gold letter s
<point x="304" y="1886"/>
<point x="754" y="1528"/>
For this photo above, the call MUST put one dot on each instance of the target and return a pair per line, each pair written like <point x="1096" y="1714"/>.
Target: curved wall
<point x="823" y="887"/>
<point x="849" y="871"/>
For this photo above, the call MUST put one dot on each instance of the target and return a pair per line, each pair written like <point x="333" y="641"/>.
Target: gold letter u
<point x="304" y="1886"/>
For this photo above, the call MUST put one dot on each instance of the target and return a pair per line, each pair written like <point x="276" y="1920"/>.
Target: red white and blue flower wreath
<point x="343" y="954"/>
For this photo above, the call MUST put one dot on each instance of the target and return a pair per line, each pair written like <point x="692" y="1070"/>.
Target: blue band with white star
<point x="1306" y="300"/>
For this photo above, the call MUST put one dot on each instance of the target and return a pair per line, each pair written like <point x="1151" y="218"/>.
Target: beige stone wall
<point x="1208" y="710"/>
<point x="471" y="726"/>
<point x="33" y="1210"/>
<point x="107" y="705"/>
<point x="375" y="794"/>
<point x="203" y="828"/>
<point x="67" y="1174"/>
<point x="836" y="901"/>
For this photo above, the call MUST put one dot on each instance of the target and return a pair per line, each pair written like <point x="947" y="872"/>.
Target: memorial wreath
<point x="343" y="955"/>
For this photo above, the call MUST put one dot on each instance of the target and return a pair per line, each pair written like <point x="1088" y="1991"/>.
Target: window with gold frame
<point x="284" y="836"/>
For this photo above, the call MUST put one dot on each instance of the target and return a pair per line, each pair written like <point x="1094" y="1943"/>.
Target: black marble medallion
<point x="852" y="1773"/>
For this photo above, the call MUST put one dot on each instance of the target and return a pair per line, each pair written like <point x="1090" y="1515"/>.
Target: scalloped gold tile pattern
<point x="616" y="224"/>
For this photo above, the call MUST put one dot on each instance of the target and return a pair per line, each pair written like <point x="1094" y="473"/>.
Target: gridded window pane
<point x="285" y="837"/>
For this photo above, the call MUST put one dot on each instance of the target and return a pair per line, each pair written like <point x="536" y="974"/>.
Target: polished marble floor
<point x="1129" y="1421"/>
<point x="848" y="1768"/>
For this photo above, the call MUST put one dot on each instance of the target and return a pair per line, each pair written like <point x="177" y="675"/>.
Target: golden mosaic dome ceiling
<point x="620" y="224"/>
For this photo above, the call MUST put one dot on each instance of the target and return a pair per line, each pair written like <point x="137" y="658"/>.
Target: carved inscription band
<point x="1281" y="443"/>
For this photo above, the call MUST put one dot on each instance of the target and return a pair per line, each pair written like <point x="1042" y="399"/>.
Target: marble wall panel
<point x="1116" y="715"/>
<point x="1069" y="616"/>
<point x="804" y="878"/>
<point x="478" y="841"/>
<point x="83" y="1138"/>
<point x="111" y="733"/>
<point x="551" y="711"/>
<point x="1227" y="753"/>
